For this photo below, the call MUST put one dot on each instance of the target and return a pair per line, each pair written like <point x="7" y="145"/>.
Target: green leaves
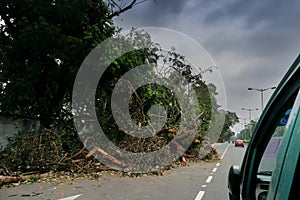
<point x="42" y="45"/>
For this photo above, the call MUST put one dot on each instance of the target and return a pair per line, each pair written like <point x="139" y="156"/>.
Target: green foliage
<point x="247" y="141"/>
<point x="222" y="122"/>
<point x="43" y="44"/>
<point x="31" y="180"/>
<point x="113" y="74"/>
<point x="153" y="94"/>
<point x="205" y="93"/>
<point x="29" y="152"/>
<point x="247" y="131"/>
<point x="230" y="120"/>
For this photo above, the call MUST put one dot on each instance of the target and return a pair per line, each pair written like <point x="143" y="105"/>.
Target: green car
<point x="271" y="166"/>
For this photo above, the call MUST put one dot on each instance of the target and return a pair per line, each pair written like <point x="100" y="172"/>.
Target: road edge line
<point x="200" y="195"/>
<point x="225" y="152"/>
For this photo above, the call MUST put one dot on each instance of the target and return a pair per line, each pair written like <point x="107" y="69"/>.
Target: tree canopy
<point x="43" y="44"/>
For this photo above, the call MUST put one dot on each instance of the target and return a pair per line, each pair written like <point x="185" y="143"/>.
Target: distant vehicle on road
<point x="239" y="143"/>
<point x="232" y="139"/>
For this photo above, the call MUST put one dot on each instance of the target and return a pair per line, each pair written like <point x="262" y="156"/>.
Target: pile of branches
<point x="31" y="155"/>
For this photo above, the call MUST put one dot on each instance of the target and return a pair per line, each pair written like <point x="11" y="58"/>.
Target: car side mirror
<point x="234" y="180"/>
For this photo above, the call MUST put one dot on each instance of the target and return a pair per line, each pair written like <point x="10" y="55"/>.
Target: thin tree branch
<point x="122" y="10"/>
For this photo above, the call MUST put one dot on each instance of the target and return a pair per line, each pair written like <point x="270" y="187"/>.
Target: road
<point x="217" y="189"/>
<point x="203" y="181"/>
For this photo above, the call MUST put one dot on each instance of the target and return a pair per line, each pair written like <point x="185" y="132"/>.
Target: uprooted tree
<point x="43" y="44"/>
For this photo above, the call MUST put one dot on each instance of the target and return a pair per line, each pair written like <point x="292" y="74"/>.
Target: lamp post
<point x="262" y="90"/>
<point x="250" y="110"/>
<point x="243" y="127"/>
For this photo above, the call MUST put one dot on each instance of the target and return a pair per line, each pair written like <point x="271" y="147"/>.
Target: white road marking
<point x="225" y="152"/>
<point x="208" y="180"/>
<point x="200" y="195"/>
<point x="71" y="198"/>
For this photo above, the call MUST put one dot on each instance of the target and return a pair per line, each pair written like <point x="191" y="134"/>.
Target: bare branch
<point x="123" y="8"/>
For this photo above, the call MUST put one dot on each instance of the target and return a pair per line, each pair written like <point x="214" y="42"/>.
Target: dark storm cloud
<point x="269" y="24"/>
<point x="169" y="7"/>
<point x="253" y="28"/>
<point x="255" y="15"/>
<point x="253" y="42"/>
<point x="273" y="14"/>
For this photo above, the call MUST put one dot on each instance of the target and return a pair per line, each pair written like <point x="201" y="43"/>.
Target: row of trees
<point x="246" y="133"/>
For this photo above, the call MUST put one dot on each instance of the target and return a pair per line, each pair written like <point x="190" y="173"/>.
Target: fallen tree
<point x="35" y="157"/>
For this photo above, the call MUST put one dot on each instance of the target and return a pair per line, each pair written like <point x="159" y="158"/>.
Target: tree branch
<point x="124" y="9"/>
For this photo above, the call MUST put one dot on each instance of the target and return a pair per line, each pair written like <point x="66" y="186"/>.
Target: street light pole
<point x="250" y="110"/>
<point x="243" y="136"/>
<point x="262" y="90"/>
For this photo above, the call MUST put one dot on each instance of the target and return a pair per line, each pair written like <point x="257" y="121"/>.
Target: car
<point x="271" y="165"/>
<point x="239" y="143"/>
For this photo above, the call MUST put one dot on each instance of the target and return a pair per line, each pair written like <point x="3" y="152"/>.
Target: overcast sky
<point x="252" y="42"/>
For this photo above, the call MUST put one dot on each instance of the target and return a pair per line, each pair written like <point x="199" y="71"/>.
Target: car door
<point x="283" y="99"/>
<point x="286" y="178"/>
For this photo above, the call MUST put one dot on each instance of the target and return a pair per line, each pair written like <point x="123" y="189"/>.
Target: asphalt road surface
<point x="205" y="181"/>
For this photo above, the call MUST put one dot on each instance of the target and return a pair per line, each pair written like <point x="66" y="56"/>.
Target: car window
<point x="268" y="161"/>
